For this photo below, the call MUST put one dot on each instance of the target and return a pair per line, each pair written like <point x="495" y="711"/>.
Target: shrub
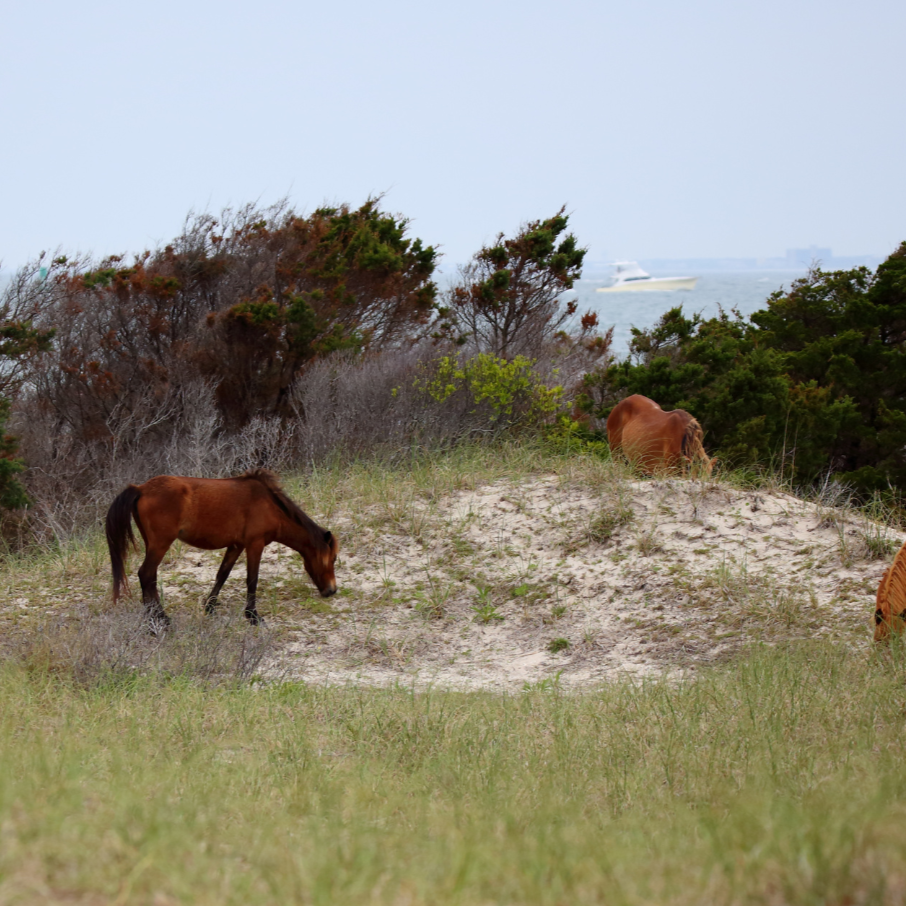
<point x="510" y="392"/>
<point x="507" y="299"/>
<point x="243" y="301"/>
<point x="20" y="343"/>
<point x="116" y="648"/>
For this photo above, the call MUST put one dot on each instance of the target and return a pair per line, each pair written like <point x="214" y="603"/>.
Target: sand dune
<point x="544" y="581"/>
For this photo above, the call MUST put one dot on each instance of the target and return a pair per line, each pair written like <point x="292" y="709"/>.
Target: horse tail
<point x="692" y="446"/>
<point x="120" y="536"/>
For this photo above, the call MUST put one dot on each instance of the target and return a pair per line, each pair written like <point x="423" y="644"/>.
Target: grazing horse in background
<point x="656" y="440"/>
<point x="890" y="613"/>
<point x="245" y="513"/>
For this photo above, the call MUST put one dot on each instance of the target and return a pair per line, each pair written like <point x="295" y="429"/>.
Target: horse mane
<point x="892" y="590"/>
<point x="692" y="438"/>
<point x="280" y="497"/>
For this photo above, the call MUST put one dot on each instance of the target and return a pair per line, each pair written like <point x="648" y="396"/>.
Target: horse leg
<point x="253" y="561"/>
<point x="147" y="575"/>
<point x="229" y="561"/>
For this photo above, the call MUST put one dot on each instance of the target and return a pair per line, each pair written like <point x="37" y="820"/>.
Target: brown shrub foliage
<point x="260" y="338"/>
<point x="243" y="301"/>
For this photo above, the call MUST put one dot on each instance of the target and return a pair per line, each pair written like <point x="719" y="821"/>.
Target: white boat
<point x="630" y="277"/>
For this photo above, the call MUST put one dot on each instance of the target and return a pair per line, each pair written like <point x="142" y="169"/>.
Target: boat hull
<point x="655" y="284"/>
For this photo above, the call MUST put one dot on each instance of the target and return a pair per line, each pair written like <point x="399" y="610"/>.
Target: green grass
<point x="137" y="771"/>
<point x="776" y="779"/>
<point x="486" y="613"/>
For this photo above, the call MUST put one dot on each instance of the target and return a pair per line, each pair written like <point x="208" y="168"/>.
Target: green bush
<point x="512" y="391"/>
<point x="12" y="494"/>
<point x="814" y="383"/>
<point x="20" y="342"/>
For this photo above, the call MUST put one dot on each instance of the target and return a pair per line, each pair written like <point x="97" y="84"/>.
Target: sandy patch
<point x="510" y="585"/>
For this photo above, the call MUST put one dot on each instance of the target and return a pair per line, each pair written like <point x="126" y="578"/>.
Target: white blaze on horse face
<point x="324" y="577"/>
<point x="329" y="560"/>
<point x="329" y="586"/>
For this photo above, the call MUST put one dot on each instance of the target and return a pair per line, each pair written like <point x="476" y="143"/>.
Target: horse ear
<point x="328" y="537"/>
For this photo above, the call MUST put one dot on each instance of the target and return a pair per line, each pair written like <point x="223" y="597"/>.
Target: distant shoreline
<point x="594" y="270"/>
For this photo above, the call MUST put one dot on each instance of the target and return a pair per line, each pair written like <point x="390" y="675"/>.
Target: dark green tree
<point x="845" y="332"/>
<point x="342" y="279"/>
<point x="12" y="494"/>
<point x="19" y="342"/>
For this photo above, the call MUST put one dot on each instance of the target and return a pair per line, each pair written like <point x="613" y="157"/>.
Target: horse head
<point x="889" y="620"/>
<point x="888" y="623"/>
<point x="319" y="564"/>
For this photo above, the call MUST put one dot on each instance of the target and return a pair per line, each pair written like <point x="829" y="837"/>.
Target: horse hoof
<point x="254" y="618"/>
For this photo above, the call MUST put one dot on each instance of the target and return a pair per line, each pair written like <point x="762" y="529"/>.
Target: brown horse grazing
<point x="890" y="613"/>
<point x="656" y="440"/>
<point x="245" y="513"/>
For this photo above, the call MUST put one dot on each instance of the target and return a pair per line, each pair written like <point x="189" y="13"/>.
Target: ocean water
<point x="747" y="292"/>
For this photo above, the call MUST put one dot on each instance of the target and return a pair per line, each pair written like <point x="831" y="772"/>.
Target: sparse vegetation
<point x="878" y="543"/>
<point x="776" y="611"/>
<point x="613" y="515"/>
<point x="603" y="526"/>
<point x="646" y="541"/>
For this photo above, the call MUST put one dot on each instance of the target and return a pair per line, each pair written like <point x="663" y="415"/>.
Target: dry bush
<point x="71" y="482"/>
<point x="383" y="404"/>
<point x="345" y="405"/>
<point x="571" y="356"/>
<point x="94" y="649"/>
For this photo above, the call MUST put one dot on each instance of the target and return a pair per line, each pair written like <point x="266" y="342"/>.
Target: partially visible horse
<point x="890" y="612"/>
<point x="245" y="513"/>
<point x="657" y="440"/>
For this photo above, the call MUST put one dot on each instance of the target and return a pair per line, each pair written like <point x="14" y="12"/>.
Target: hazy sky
<point x="669" y="129"/>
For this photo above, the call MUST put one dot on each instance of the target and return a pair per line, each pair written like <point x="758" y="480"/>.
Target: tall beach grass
<point x="776" y="779"/>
